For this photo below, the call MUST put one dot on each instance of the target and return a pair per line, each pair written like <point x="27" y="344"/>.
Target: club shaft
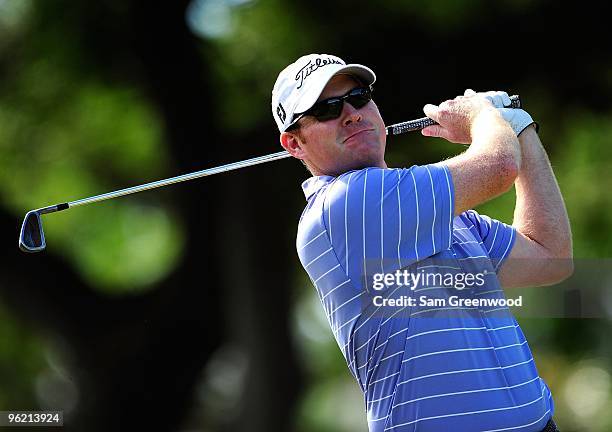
<point x="185" y="177"/>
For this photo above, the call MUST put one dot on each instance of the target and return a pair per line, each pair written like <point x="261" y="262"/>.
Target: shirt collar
<point x="312" y="185"/>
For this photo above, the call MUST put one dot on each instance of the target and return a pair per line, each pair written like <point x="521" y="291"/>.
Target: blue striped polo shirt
<point x="420" y="367"/>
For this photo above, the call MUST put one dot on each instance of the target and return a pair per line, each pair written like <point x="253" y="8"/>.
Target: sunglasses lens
<point x="331" y="109"/>
<point x="359" y="97"/>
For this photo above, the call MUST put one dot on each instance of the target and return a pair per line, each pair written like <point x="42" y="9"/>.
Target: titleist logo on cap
<point x="310" y="67"/>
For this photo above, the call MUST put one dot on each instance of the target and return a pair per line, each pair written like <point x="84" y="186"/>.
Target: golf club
<point x="32" y="236"/>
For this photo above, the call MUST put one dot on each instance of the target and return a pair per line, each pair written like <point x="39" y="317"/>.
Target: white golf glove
<point x="519" y="119"/>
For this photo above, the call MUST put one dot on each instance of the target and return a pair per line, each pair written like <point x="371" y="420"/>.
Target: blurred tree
<point x="136" y="355"/>
<point x="141" y="293"/>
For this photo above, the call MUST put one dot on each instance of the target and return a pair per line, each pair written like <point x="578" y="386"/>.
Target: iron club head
<point x="32" y="237"/>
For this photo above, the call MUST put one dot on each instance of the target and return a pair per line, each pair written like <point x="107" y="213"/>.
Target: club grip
<point x="421" y="123"/>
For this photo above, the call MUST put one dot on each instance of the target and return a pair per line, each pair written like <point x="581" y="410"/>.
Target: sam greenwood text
<point x="453" y="301"/>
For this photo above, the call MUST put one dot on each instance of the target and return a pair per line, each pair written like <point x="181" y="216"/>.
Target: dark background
<point x="185" y="309"/>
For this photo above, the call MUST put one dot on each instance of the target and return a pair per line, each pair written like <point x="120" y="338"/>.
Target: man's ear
<point x="292" y="143"/>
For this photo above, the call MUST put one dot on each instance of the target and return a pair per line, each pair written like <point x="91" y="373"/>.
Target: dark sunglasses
<point x="331" y="108"/>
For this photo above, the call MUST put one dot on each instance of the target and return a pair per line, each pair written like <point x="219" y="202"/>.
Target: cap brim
<point x="365" y="74"/>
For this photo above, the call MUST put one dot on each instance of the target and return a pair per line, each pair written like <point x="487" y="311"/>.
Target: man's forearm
<point x="540" y="212"/>
<point x="489" y="166"/>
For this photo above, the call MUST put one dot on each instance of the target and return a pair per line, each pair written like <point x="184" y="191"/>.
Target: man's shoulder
<point x="366" y="177"/>
<point x="373" y="180"/>
<point x="354" y="189"/>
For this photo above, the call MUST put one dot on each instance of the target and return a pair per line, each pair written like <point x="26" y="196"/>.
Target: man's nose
<point x="350" y="114"/>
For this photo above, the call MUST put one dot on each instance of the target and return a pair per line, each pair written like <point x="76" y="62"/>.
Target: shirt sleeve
<point x="390" y="217"/>
<point x="497" y="237"/>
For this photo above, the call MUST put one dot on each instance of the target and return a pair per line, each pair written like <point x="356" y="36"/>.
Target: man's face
<point x="354" y="140"/>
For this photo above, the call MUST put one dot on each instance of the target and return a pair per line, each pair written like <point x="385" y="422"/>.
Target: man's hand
<point x="458" y="117"/>
<point x="519" y="119"/>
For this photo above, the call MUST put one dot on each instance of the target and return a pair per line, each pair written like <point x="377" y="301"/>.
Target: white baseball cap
<point x="300" y="84"/>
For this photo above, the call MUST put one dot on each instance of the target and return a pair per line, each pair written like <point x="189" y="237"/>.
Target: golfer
<point x="423" y="364"/>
